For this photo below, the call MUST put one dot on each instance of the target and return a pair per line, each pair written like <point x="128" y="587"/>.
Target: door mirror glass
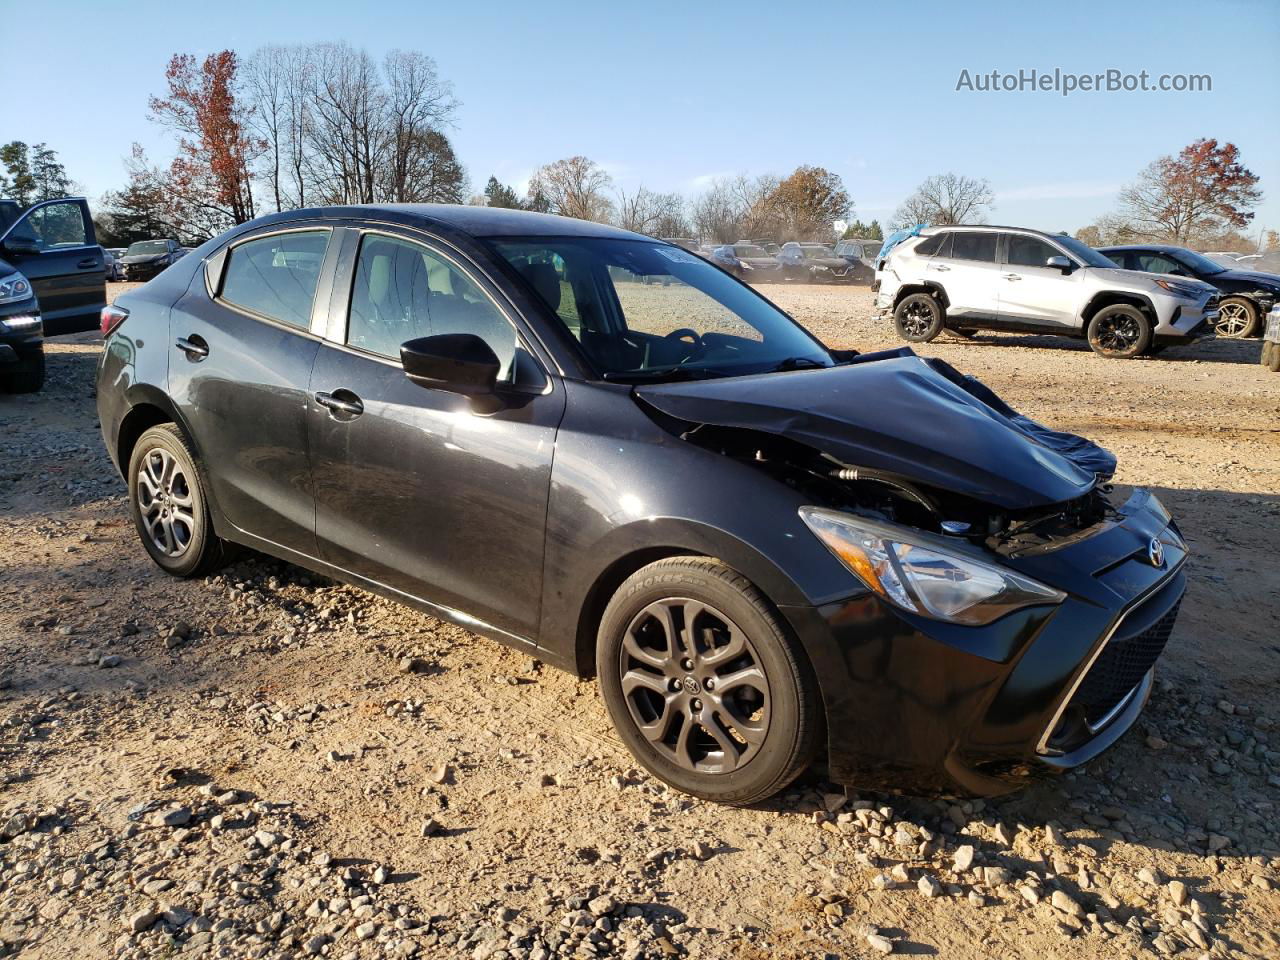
<point x="1061" y="263"/>
<point x="457" y="362"/>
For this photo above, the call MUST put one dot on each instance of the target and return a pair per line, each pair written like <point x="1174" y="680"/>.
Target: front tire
<point x="705" y="684"/>
<point x="918" y="318"/>
<point x="28" y="376"/>
<point x="1237" y="318"/>
<point x="169" y="506"/>
<point x="1119" y="332"/>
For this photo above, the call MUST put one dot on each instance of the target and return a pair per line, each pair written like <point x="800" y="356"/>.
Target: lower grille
<point x="1121" y="666"/>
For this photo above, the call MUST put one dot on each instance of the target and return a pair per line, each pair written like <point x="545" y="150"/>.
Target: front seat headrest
<point x="544" y="278"/>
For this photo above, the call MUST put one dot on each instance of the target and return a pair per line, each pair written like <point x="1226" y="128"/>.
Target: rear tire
<point x="1268" y="348"/>
<point x="169" y="506"/>
<point x="728" y="711"/>
<point x="28" y="375"/>
<point x="1119" y="332"/>
<point x="1274" y="363"/>
<point x="1237" y="318"/>
<point x="918" y="318"/>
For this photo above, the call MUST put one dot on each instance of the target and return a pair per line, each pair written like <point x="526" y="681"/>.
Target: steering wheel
<point x="690" y="336"/>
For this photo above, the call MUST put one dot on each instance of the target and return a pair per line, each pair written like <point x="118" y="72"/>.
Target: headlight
<point x="1184" y="290"/>
<point x="921" y="577"/>
<point x="14" y="287"/>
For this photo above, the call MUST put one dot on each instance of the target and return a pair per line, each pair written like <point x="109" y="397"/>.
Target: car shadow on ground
<point x="1213" y="350"/>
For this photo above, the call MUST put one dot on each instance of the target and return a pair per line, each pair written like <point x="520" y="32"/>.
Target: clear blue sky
<point x="670" y="94"/>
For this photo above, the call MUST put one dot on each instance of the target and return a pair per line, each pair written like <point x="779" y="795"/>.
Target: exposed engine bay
<point x="936" y="450"/>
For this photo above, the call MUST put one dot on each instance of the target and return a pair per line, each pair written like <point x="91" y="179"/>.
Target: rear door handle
<point x="194" y="347"/>
<point x="349" y="403"/>
<point x="88" y="263"/>
<point x="1012" y="276"/>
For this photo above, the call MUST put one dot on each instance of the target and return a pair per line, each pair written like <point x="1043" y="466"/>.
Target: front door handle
<point x="940" y="267"/>
<point x="1012" y="276"/>
<point x="341" y="401"/>
<point x="194" y="347"/>
<point x="88" y="263"/>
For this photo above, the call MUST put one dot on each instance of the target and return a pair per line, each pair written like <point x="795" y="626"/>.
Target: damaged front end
<point x="1012" y="611"/>
<point x="906" y="440"/>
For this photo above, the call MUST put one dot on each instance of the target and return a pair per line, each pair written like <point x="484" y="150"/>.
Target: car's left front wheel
<point x="169" y="506"/>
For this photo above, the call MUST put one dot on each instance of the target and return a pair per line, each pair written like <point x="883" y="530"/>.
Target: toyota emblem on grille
<point x="1155" y="552"/>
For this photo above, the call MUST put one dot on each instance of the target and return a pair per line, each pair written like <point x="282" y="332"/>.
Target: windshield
<point x="146" y="247"/>
<point x="745" y="250"/>
<point x="644" y="311"/>
<point x="1198" y="262"/>
<point x="1083" y="252"/>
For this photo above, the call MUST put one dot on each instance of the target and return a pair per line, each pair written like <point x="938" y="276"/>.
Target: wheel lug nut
<point x="674" y="684"/>
<point x="686" y="664"/>
<point x="696" y="705"/>
<point x="709" y="684"/>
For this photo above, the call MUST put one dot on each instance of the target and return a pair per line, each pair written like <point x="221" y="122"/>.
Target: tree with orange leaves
<point x="211" y="178"/>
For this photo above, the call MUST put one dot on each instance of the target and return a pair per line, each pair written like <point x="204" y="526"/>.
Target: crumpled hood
<point x="1269" y="280"/>
<point x="901" y="413"/>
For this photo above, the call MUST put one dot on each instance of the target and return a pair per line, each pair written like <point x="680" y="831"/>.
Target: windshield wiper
<point x="797" y="363"/>
<point x="662" y="373"/>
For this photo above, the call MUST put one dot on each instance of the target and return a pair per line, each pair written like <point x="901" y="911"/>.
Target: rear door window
<point x="931" y="245"/>
<point x="967" y="245"/>
<point x="275" y="277"/>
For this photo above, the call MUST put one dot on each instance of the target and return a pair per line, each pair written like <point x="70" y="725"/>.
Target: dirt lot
<point x="264" y="764"/>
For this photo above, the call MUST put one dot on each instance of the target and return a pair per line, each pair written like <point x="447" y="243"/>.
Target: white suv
<point x="1008" y="278"/>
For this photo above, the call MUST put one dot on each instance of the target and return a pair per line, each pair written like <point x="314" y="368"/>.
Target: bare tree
<point x="717" y="212"/>
<point x="418" y="104"/>
<point x="573" y="187"/>
<point x="264" y="78"/>
<point x="945" y="199"/>
<point x="348" y="136"/>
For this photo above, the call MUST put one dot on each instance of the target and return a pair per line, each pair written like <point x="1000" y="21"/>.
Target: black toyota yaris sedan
<point x="765" y="550"/>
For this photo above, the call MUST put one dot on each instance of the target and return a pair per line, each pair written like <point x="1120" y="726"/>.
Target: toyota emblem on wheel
<point x="1155" y="552"/>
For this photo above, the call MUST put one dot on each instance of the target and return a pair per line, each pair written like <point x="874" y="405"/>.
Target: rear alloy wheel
<point x="167" y="500"/>
<point x="1237" y="318"/>
<point x="705" y="684"/>
<point x="918" y="318"/>
<point x="1119" y="332"/>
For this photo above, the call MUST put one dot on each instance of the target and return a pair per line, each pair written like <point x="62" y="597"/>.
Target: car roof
<point x="474" y="220"/>
<point x="1162" y="247"/>
<point x="931" y="231"/>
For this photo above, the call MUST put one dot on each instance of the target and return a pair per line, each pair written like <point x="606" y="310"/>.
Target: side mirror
<point x="456" y="362"/>
<point x="1061" y="263"/>
<point x="21" y="246"/>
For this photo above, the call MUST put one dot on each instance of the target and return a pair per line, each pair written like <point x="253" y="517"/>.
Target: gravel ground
<point x="266" y="764"/>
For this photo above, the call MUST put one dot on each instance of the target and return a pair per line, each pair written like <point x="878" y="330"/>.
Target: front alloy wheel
<point x="704" y="682"/>
<point x="693" y="685"/>
<point x="1237" y="318"/>
<point x="1119" y="332"/>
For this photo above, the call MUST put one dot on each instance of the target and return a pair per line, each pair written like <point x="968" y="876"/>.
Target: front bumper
<point x="1188" y="322"/>
<point x="920" y="706"/>
<point x="142" y="271"/>
<point x="23" y="337"/>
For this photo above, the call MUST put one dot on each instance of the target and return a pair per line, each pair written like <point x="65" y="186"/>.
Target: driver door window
<point x="403" y="290"/>
<point x="53" y="226"/>
<point x="1157" y="263"/>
